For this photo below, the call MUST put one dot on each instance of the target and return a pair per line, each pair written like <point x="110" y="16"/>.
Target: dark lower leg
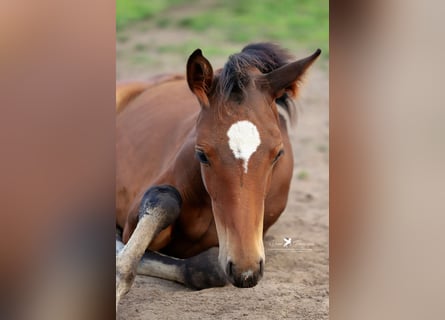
<point x="198" y="272"/>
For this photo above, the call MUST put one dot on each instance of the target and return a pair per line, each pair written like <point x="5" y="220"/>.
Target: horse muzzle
<point x="244" y="278"/>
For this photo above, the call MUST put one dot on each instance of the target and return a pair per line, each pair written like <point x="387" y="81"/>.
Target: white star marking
<point x="244" y="139"/>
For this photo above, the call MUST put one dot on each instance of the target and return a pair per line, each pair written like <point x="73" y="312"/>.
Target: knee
<point x="163" y="200"/>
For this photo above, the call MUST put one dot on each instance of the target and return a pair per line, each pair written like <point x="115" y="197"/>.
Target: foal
<point x="204" y="166"/>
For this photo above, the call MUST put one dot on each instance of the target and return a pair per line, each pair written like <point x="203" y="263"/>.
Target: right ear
<point x="199" y="76"/>
<point x="286" y="77"/>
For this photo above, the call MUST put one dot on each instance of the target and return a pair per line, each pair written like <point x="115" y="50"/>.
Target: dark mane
<point x="266" y="57"/>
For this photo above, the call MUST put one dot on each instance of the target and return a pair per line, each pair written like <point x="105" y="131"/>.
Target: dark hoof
<point x="204" y="271"/>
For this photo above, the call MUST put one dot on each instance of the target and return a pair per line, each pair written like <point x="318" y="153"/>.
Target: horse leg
<point x="160" y="207"/>
<point x="198" y="272"/>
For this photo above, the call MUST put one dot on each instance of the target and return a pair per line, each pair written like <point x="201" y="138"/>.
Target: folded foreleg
<point x="198" y="272"/>
<point x="160" y="207"/>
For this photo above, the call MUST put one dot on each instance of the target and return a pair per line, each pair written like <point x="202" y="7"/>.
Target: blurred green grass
<point x="302" y="21"/>
<point x="128" y="11"/>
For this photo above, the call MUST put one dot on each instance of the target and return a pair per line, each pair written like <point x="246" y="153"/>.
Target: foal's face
<point x="238" y="144"/>
<point x="238" y="151"/>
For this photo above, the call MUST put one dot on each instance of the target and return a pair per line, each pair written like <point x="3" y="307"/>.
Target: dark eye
<point x="201" y="156"/>
<point x="278" y="156"/>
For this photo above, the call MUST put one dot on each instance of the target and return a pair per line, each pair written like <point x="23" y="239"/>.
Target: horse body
<point x="157" y="132"/>
<point x="204" y="162"/>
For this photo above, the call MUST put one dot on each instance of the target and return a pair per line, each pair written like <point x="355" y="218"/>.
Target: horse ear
<point x="286" y="77"/>
<point x="199" y="76"/>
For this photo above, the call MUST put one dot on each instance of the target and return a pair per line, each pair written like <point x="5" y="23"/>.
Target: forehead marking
<point x="244" y="139"/>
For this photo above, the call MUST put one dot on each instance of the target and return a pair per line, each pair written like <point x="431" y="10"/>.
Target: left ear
<point x="286" y="77"/>
<point x="199" y="76"/>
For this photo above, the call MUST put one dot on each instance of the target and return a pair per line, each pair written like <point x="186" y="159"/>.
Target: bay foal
<point x="204" y="166"/>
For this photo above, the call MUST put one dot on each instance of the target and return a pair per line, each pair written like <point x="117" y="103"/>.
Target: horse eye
<point x="201" y="156"/>
<point x="278" y="156"/>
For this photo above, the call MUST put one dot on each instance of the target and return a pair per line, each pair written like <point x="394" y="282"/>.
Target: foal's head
<point x="238" y="144"/>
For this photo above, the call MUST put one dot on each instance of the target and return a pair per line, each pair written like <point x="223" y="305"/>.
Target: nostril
<point x="229" y="269"/>
<point x="261" y="266"/>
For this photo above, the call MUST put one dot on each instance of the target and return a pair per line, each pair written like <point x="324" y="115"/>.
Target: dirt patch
<point x="295" y="283"/>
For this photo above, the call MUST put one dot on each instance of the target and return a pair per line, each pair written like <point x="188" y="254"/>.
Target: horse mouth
<point x="244" y="279"/>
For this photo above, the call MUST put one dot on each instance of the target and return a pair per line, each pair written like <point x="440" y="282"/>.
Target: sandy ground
<point x="296" y="280"/>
